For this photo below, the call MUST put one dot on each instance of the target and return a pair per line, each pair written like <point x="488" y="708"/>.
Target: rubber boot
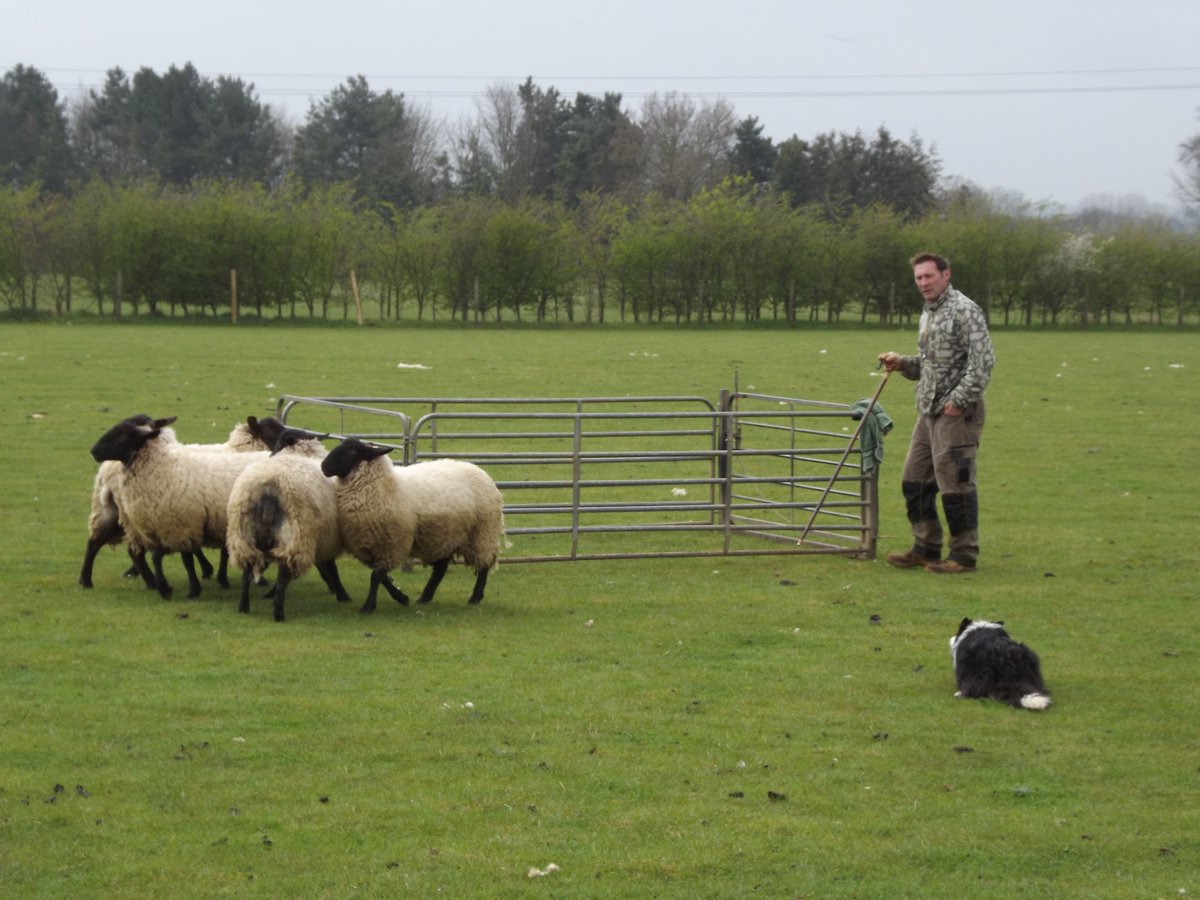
<point x="962" y="520"/>
<point x="920" y="499"/>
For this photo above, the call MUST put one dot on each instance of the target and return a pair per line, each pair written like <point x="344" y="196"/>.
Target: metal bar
<point x="850" y="446"/>
<point x="752" y="469"/>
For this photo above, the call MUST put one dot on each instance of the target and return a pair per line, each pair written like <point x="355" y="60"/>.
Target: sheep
<point x="172" y="497"/>
<point x="104" y="526"/>
<point x="431" y="511"/>
<point x="284" y="510"/>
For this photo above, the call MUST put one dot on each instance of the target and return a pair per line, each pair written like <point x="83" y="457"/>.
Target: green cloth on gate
<point x="870" y="438"/>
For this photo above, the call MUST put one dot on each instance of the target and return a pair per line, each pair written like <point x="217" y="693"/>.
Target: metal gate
<point x="631" y="477"/>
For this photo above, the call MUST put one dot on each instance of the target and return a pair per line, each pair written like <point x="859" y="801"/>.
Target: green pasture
<point x="770" y="726"/>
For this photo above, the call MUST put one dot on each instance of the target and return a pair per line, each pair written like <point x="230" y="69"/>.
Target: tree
<point x="542" y="135"/>
<point x="105" y="131"/>
<point x="492" y="146"/>
<point x="374" y="142"/>
<point x="18" y="275"/>
<point x="171" y="115"/>
<point x="466" y="226"/>
<point x="517" y="248"/>
<point x="329" y="245"/>
<point x="792" y="252"/>
<point x="843" y="172"/>
<point x="599" y="219"/>
<point x="599" y="150"/>
<point x="1187" y="182"/>
<point x="753" y="155"/>
<point x="643" y="257"/>
<point x="420" y="245"/>
<point x="879" y="235"/>
<point x="33" y="132"/>
<point x="474" y="169"/>
<point x="179" y="126"/>
<point x="685" y="146"/>
<point x="902" y="175"/>
<point x="246" y="140"/>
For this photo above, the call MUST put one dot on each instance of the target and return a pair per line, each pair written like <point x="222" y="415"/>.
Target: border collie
<point x="988" y="663"/>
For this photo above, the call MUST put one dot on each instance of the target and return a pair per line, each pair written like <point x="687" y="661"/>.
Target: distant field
<point x="716" y="728"/>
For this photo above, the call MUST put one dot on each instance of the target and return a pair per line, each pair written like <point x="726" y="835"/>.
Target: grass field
<point x="775" y="726"/>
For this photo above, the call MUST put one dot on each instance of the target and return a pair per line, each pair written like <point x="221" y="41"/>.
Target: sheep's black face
<point x="290" y="437"/>
<point x="267" y="430"/>
<point x="343" y="458"/>
<point x="122" y="442"/>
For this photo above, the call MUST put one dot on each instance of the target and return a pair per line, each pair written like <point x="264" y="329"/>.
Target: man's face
<point x="930" y="282"/>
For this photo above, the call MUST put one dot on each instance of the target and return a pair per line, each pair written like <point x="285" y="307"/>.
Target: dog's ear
<point x="999" y="621"/>
<point x="962" y="626"/>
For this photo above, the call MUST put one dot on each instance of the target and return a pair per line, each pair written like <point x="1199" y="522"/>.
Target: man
<point x="952" y="368"/>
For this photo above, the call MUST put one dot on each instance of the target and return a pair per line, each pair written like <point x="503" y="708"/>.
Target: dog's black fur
<point x="989" y="663"/>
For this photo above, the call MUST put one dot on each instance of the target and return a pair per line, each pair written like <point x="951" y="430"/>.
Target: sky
<point x="1064" y="102"/>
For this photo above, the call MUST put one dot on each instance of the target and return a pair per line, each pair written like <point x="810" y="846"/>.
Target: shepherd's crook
<point x="841" y="462"/>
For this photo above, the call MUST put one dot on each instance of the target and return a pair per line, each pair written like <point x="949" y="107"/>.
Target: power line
<point x="790" y="94"/>
<point x="466" y="93"/>
<point x="808" y="76"/>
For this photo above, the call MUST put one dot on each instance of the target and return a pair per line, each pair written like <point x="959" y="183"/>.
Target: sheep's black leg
<point x="398" y="595"/>
<point x="435" y="578"/>
<point x="89" y="557"/>
<point x="329" y="573"/>
<point x="244" y="600"/>
<point x="139" y="567"/>
<point x="189" y="563"/>
<point x="379" y="577"/>
<point x="223" y="569"/>
<point x="160" y="578"/>
<point x="281" y="583"/>
<point x="480" y="583"/>
<point x="369" y="606"/>
<point x="206" y="568"/>
<point x="110" y="533"/>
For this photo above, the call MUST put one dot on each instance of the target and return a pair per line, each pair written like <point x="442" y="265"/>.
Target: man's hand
<point x="951" y="410"/>
<point x="890" y="360"/>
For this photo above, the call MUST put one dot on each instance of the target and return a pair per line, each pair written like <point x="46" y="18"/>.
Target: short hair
<point x="938" y="260"/>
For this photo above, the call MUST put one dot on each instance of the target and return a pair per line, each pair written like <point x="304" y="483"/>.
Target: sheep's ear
<point x="163" y="423"/>
<point x="375" y="452"/>
<point x="140" y="439"/>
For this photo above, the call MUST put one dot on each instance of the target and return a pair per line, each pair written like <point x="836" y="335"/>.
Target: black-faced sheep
<point x="172" y="497"/>
<point x="104" y="522"/>
<point x="283" y="510"/>
<point x="431" y="511"/>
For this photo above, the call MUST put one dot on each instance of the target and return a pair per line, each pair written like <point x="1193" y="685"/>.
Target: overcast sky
<point x="1058" y="100"/>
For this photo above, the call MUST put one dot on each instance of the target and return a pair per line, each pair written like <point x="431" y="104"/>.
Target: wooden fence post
<point x="233" y="300"/>
<point x="357" y="299"/>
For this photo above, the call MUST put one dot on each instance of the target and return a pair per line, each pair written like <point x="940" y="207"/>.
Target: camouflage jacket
<point x="955" y="358"/>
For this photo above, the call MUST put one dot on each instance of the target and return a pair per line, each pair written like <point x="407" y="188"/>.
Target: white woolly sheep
<point x="172" y="498"/>
<point x="431" y="511"/>
<point x="282" y="509"/>
<point x="104" y="525"/>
